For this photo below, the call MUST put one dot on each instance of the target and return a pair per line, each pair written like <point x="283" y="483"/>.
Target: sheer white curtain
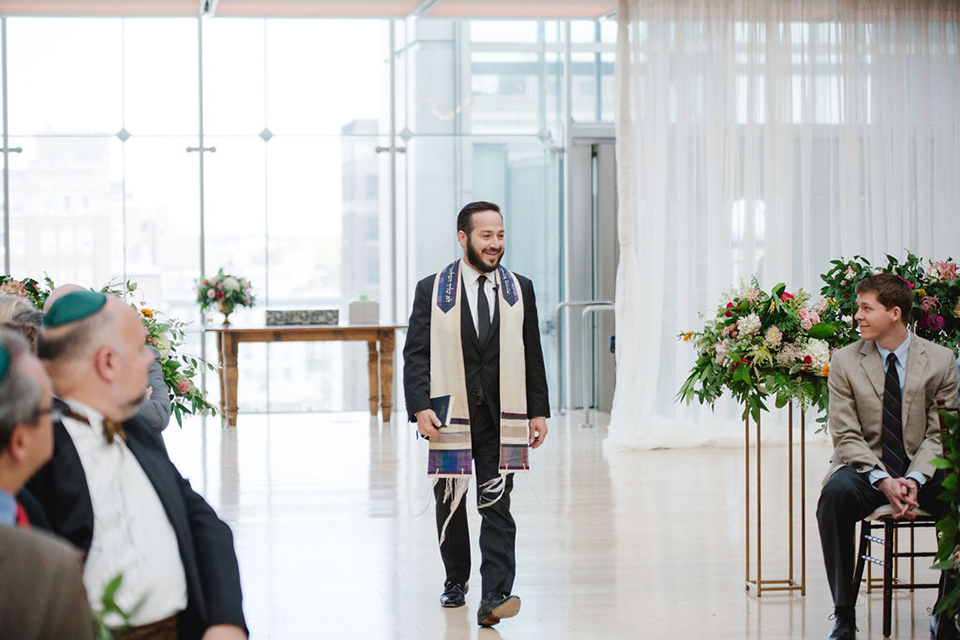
<point x="766" y="137"/>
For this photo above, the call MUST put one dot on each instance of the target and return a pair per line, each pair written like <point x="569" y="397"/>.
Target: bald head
<point x="59" y="292"/>
<point x="100" y="360"/>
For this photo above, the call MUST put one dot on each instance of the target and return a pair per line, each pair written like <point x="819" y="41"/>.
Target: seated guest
<point x="26" y="322"/>
<point x="113" y="492"/>
<point x="10" y="305"/>
<point x="41" y="590"/>
<point x="155" y="409"/>
<point x="886" y="433"/>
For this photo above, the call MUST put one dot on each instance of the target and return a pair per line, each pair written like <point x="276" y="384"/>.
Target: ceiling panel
<point x="315" y="8"/>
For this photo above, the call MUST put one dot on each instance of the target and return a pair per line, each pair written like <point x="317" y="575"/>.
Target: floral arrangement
<point x="760" y="344"/>
<point x="226" y="291"/>
<point x="936" y="291"/>
<point x="179" y="369"/>
<point x="28" y="288"/>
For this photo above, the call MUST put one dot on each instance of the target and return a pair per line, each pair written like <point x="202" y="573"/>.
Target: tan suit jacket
<point x="856" y="404"/>
<point x="41" y="589"/>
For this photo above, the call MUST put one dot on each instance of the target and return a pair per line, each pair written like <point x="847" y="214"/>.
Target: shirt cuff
<point x="876" y="475"/>
<point x="919" y="477"/>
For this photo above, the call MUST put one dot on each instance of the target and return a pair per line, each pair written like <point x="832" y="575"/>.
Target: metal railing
<point x="587" y="364"/>
<point x="558" y="313"/>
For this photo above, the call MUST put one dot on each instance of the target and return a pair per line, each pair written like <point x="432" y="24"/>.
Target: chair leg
<point x="888" y="548"/>
<point x="862" y="550"/>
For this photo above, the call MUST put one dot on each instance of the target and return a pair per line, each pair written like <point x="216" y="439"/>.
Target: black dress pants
<point x="846" y="499"/>
<point x="498" y="531"/>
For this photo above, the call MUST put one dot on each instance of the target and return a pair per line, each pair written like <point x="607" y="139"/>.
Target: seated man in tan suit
<point x="41" y="590"/>
<point x="883" y="392"/>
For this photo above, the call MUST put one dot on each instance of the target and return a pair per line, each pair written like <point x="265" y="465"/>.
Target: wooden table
<point x="380" y="341"/>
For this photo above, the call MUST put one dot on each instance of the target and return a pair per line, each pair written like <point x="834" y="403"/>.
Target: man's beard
<point x="475" y="258"/>
<point x="133" y="405"/>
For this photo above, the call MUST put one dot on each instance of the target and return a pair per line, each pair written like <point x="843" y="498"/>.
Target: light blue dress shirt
<point x="902" y="352"/>
<point x="8" y="509"/>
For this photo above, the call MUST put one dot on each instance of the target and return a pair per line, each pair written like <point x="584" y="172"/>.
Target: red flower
<point x="909" y="284"/>
<point x="786" y="296"/>
<point x="807" y="359"/>
<point x="219" y="294"/>
<point x="727" y="313"/>
<point x="744" y="361"/>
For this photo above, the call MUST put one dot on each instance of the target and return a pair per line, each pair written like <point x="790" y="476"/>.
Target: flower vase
<point x="226" y="308"/>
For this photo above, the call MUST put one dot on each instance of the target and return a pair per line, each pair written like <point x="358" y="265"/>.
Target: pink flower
<point x="773" y="337"/>
<point x="211" y="294"/>
<point x="929" y="303"/>
<point x="786" y="296"/>
<point x="849" y="272"/>
<point x="933" y="322"/>
<point x="183" y="386"/>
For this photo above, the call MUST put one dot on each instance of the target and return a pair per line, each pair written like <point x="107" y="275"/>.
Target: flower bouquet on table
<point x="226" y="292"/>
<point x="179" y="368"/>
<point x="759" y="344"/>
<point x="936" y="295"/>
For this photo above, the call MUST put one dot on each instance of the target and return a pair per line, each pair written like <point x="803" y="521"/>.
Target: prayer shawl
<point x="450" y="452"/>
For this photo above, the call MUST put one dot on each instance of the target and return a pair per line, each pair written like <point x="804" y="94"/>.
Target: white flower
<point x="231" y="284"/>
<point x="748" y="325"/>
<point x="162" y="343"/>
<point x="819" y="352"/>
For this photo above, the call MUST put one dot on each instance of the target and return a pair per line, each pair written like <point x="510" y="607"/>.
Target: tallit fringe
<point x="491" y="491"/>
<point x="453" y="493"/>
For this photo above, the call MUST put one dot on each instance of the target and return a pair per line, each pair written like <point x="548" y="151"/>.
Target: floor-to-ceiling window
<point x="288" y="184"/>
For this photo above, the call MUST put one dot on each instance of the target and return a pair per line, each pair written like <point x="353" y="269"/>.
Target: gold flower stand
<point x="789" y="583"/>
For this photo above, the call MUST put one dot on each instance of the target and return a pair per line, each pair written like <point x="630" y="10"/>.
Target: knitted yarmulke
<point x="73" y="307"/>
<point x="4" y="364"/>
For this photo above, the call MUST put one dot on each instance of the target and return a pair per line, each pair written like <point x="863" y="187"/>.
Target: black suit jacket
<point x="481" y="362"/>
<point x="205" y="541"/>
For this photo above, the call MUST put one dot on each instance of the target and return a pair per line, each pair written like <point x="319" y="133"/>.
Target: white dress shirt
<point x="131" y="533"/>
<point x="470" y="277"/>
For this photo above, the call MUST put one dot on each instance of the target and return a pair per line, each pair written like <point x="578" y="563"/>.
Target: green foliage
<point x="108" y="606"/>
<point x="28" y="288"/>
<point x="936" y="289"/>
<point x="948" y="551"/>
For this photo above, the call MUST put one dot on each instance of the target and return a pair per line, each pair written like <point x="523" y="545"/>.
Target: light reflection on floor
<point x="335" y="536"/>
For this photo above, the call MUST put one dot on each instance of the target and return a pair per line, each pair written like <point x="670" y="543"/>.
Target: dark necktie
<point x="483" y="310"/>
<point x="894" y="455"/>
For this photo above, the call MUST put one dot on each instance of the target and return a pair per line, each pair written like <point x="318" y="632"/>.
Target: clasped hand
<point x="902" y="494"/>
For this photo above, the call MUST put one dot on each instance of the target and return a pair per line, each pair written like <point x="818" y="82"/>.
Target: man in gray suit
<point x="41" y="590"/>
<point x="885" y="429"/>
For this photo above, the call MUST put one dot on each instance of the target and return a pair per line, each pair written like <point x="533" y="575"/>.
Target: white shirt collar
<point x="471" y="275"/>
<point x="93" y="416"/>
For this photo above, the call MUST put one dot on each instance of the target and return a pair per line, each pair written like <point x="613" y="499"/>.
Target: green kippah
<point x="73" y="307"/>
<point x="4" y="364"/>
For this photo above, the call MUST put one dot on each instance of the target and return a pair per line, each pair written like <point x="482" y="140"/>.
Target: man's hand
<point x="225" y="632"/>
<point x="902" y="494"/>
<point x="538" y="431"/>
<point x="427" y="423"/>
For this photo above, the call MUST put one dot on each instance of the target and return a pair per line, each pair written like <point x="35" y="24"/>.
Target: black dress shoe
<point x="844" y="624"/>
<point x="943" y="628"/>
<point x="494" y="606"/>
<point x="453" y="593"/>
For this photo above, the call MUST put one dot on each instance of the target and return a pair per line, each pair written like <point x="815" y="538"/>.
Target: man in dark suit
<point x="113" y="492"/>
<point x="41" y="590"/>
<point x="488" y="359"/>
<point x="883" y="419"/>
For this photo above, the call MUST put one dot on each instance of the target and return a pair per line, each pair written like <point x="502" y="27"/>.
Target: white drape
<point x="767" y="137"/>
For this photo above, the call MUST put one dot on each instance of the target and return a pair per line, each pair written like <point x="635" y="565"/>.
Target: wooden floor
<point x="332" y="516"/>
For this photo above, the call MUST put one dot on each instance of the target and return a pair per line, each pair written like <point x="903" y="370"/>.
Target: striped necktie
<point x="894" y="455"/>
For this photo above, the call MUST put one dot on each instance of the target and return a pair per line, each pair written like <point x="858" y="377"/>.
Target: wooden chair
<point x="881" y="519"/>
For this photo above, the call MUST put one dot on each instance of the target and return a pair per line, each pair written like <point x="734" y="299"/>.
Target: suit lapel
<point x="916" y="365"/>
<point x="163" y="482"/>
<point x="871" y="365"/>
